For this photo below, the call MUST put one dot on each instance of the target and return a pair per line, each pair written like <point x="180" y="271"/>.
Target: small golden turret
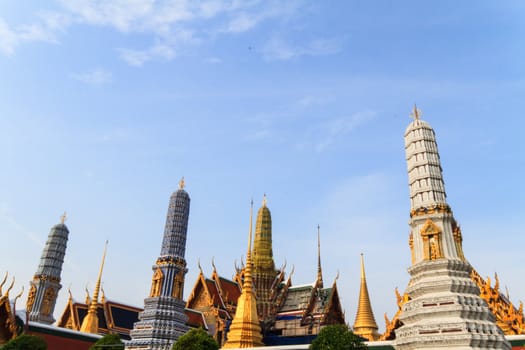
<point x="90" y="322"/>
<point x="365" y="324"/>
<point x="245" y="330"/>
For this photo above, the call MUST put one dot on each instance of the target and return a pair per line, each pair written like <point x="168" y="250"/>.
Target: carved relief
<point x="411" y="245"/>
<point x="178" y="285"/>
<point x="49" y="300"/>
<point x="458" y="240"/>
<point x="31" y="298"/>
<point x="156" y="283"/>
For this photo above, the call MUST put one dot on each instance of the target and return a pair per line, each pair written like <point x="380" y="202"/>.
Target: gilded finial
<point x="362" y="266"/>
<point x="3" y="282"/>
<point x="319" y="269"/>
<point x="63" y="218"/>
<point x="199" y="265"/>
<point x="416" y="113"/>
<point x="182" y="184"/>
<point x="10" y="286"/>
<point x="264" y="200"/>
<point x="213" y="263"/>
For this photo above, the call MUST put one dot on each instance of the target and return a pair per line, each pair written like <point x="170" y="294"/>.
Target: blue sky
<point x="107" y="104"/>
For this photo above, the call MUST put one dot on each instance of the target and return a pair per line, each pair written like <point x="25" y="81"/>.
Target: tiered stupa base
<point x="161" y="323"/>
<point x="445" y="310"/>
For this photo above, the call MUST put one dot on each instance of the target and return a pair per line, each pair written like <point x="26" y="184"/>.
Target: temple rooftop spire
<point x="319" y="268"/>
<point x="90" y="322"/>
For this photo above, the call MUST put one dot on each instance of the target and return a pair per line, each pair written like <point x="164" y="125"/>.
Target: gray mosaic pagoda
<point x="44" y="287"/>
<point x="163" y="319"/>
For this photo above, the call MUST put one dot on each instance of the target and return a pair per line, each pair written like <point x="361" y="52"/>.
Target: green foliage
<point x="196" y="339"/>
<point x="108" y="342"/>
<point x="26" y="342"/>
<point x="337" y="337"/>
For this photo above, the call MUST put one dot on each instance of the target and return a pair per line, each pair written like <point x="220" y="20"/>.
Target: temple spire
<point x="437" y="309"/>
<point x="245" y="330"/>
<point x="90" y="322"/>
<point x="44" y="287"/>
<point x="264" y="271"/>
<point x="365" y="324"/>
<point x="163" y="320"/>
<point x="319" y="269"/>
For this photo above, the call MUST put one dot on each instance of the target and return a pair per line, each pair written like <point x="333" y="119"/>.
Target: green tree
<point x="337" y="337"/>
<point x="108" y="342"/>
<point x="196" y="339"/>
<point x="26" y="342"/>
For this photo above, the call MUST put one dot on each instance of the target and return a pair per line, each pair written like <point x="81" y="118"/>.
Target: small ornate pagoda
<point x="365" y="323"/>
<point x="163" y="319"/>
<point x="245" y="330"/>
<point x="44" y="287"/>
<point x="443" y="308"/>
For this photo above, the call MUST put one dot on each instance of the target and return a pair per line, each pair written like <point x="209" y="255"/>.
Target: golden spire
<point x="365" y="324"/>
<point x="182" y="184"/>
<point x="245" y="330"/>
<point x="264" y="200"/>
<point x="319" y="269"/>
<point x="63" y="218"/>
<point x="90" y="322"/>
<point x="416" y="113"/>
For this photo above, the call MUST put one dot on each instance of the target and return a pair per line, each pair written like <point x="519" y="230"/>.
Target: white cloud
<point x="11" y="37"/>
<point x="94" y="77"/>
<point x="172" y="24"/>
<point x="277" y="49"/>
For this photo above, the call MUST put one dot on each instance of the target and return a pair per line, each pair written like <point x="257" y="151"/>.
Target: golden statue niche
<point x="432" y="247"/>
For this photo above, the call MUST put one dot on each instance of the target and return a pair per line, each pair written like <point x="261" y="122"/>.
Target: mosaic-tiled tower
<point x="163" y="319"/>
<point x="444" y="310"/>
<point x="264" y="272"/>
<point x="44" y="287"/>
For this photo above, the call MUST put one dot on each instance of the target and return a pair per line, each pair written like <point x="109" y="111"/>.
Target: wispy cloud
<point x="334" y="130"/>
<point x="171" y="24"/>
<point x="94" y="77"/>
<point x="277" y="49"/>
<point x="12" y="37"/>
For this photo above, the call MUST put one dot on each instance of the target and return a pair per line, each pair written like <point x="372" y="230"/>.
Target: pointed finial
<point x="97" y="286"/>
<point x="250" y="231"/>
<point x="416" y="113"/>
<point x="264" y="200"/>
<point x="319" y="269"/>
<point x="213" y="263"/>
<point x="69" y="292"/>
<point x="10" y="286"/>
<point x="362" y="266"/>
<point x="63" y="218"/>
<point x="199" y="265"/>
<point x="3" y="282"/>
<point x="182" y="184"/>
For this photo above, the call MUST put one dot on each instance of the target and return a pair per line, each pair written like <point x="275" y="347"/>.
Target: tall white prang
<point x="444" y="310"/>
